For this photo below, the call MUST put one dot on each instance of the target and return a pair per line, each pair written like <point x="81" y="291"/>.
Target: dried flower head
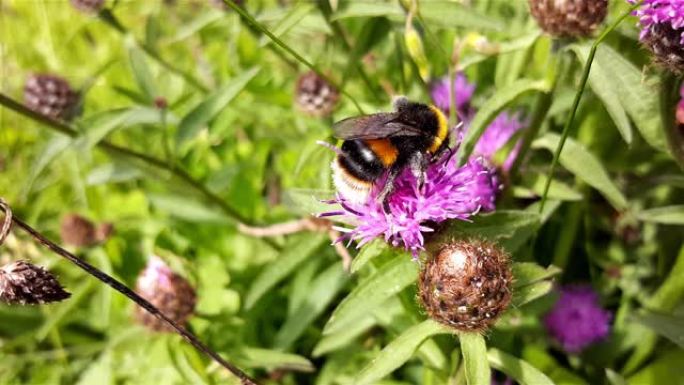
<point x="51" y="96"/>
<point x="466" y="285"/>
<point x="577" y="319"/>
<point x="569" y="18"/>
<point x="315" y="95"/>
<point x="662" y="23"/>
<point x="449" y="192"/>
<point x="26" y="284"/>
<point x="463" y="93"/>
<point x="88" y="6"/>
<point x="167" y="291"/>
<point x="77" y="231"/>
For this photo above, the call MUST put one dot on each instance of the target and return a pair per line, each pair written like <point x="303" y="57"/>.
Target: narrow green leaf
<point x="669" y="215"/>
<point x="452" y="15"/>
<point x="668" y="295"/>
<point x="105" y="123"/>
<point x="474" y="351"/>
<point x="273" y="359"/>
<point x="321" y="292"/>
<point x="499" y="224"/>
<point x="666" y="368"/>
<point x="602" y="82"/>
<point x="210" y="107"/>
<point x="528" y="273"/>
<point x="309" y="201"/>
<point x="531" y="292"/>
<point x="142" y="73"/>
<point x="519" y="370"/>
<point x="517" y="44"/>
<point x="387" y="281"/>
<point x="494" y="105"/>
<point x="112" y="173"/>
<point x="367" y="9"/>
<point x="400" y="350"/>
<point x="667" y="326"/>
<point x="187" y="209"/>
<point x="192" y="28"/>
<point x="368" y="252"/>
<point x="285" y="23"/>
<point x="296" y="252"/>
<point x="52" y="149"/>
<point x="578" y="160"/>
<point x="334" y="341"/>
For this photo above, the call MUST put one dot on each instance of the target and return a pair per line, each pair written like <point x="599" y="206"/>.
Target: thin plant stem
<point x="578" y="97"/>
<point x="183" y="175"/>
<point x="108" y="17"/>
<point x="289" y="50"/>
<point x="130" y="294"/>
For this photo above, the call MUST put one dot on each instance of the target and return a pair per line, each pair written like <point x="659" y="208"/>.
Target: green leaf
<point x="519" y="370"/>
<point x="528" y="273"/>
<point x="293" y="16"/>
<point x="321" y="292"/>
<point x="602" y="82"/>
<point x="273" y="359"/>
<point x="669" y="215"/>
<point x="531" y="292"/>
<point x="372" y="33"/>
<point x="400" y="350"/>
<point x="109" y="121"/>
<point x="518" y="44"/>
<point x="667" y="326"/>
<point x="499" y="224"/>
<point x="368" y="252"/>
<point x="474" y="350"/>
<point x="367" y="9"/>
<point x="578" y="160"/>
<point x="309" y="201"/>
<point x="387" y="281"/>
<point x="210" y="107"/>
<point x="192" y="28"/>
<point x="293" y="255"/>
<point x="494" y="105"/>
<point x="671" y="291"/>
<point x="557" y="190"/>
<point x="112" y="173"/>
<point x="334" y="341"/>
<point x="52" y="149"/>
<point x="452" y="15"/>
<point x="142" y="73"/>
<point x="665" y="369"/>
<point x="187" y="209"/>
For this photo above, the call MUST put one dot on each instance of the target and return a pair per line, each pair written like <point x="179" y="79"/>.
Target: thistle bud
<point x="88" y="6"/>
<point x="315" y="95"/>
<point x="569" y="18"/>
<point x="168" y="292"/>
<point x="26" y="284"/>
<point x="78" y="231"/>
<point x="51" y="96"/>
<point x="466" y="285"/>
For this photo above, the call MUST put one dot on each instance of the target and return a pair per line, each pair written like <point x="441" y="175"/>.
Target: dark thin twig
<point x="130" y="294"/>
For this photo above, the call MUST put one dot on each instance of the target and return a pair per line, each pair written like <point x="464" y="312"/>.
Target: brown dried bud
<point x="168" y="292"/>
<point x="569" y="18"/>
<point x="78" y="231"/>
<point x="466" y="285"/>
<point x="104" y="231"/>
<point x="315" y="95"/>
<point x="24" y="283"/>
<point x="88" y="6"/>
<point x="51" y="96"/>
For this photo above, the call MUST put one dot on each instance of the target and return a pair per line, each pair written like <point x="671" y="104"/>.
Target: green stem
<point x="289" y="50"/>
<point x="108" y="17"/>
<point x="578" y="97"/>
<point x="183" y="175"/>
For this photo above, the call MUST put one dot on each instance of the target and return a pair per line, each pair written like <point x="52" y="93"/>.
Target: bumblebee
<point x="412" y="136"/>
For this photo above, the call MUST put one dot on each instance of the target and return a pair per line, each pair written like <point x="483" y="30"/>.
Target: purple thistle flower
<point x="449" y="192"/>
<point x="497" y="134"/>
<point x="463" y="92"/>
<point x="657" y="13"/>
<point x="680" y="107"/>
<point x="577" y="319"/>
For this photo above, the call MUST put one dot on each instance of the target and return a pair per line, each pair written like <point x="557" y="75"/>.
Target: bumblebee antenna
<point x="330" y="147"/>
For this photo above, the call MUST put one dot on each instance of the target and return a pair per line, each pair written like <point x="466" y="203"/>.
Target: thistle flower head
<point x="569" y="18"/>
<point x="315" y="95"/>
<point x="577" y="319"/>
<point x="24" y="283"/>
<point x="167" y="291"/>
<point x="463" y="93"/>
<point x="662" y="31"/>
<point x="466" y="285"/>
<point x="449" y="192"/>
<point x="497" y="134"/>
<point x="51" y="96"/>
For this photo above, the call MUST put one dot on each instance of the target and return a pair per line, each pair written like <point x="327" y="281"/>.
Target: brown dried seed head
<point x="51" y="96"/>
<point x="466" y="285"/>
<point x="315" y="95"/>
<point x="88" y="6"/>
<point x="168" y="292"/>
<point x="569" y="18"/>
<point x="26" y="284"/>
<point x="77" y="231"/>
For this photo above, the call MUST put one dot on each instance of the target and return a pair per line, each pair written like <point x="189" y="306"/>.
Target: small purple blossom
<point x="449" y="192"/>
<point x="497" y="134"/>
<point x="654" y="13"/>
<point x="463" y="92"/>
<point x="577" y="319"/>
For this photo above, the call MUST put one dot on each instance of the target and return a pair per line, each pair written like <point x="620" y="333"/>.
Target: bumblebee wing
<point x="376" y="126"/>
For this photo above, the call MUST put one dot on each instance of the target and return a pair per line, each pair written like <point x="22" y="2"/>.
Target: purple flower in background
<point x="449" y="192"/>
<point x="655" y="14"/>
<point x="497" y="134"/>
<point x="577" y="319"/>
<point x="463" y="92"/>
<point x="680" y="107"/>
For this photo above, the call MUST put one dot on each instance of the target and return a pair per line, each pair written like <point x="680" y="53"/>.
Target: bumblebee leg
<point x="388" y="187"/>
<point x="418" y="164"/>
